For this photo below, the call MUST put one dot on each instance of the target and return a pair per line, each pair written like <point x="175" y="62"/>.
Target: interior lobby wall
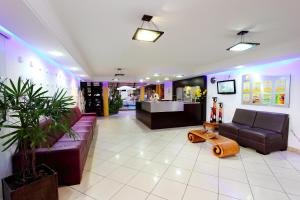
<point x="168" y="90"/>
<point x="231" y="102"/>
<point x="19" y="60"/>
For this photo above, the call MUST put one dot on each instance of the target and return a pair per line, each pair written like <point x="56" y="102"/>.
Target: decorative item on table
<point x="213" y="115"/>
<point x="220" y="112"/>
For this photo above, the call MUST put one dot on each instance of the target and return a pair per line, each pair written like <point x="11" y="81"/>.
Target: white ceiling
<point x="97" y="33"/>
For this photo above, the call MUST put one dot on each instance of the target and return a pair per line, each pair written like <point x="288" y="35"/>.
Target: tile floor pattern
<point x="128" y="161"/>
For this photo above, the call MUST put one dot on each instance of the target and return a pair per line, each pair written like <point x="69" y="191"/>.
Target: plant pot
<point x="43" y="188"/>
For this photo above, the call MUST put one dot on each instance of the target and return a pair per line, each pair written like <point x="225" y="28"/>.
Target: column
<point x="157" y="89"/>
<point x="142" y="92"/>
<point x="105" y="99"/>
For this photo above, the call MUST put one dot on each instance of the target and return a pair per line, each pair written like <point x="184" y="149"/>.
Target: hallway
<point x="130" y="161"/>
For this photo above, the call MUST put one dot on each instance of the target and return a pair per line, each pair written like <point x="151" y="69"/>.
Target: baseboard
<point x="293" y="149"/>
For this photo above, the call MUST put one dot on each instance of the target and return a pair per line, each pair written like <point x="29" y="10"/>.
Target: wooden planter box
<point x="44" y="188"/>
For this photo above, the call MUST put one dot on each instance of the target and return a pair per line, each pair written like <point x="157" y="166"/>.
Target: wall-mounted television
<point x="226" y="87"/>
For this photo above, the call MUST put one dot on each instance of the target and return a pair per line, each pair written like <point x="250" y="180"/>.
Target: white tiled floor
<point x="128" y="161"/>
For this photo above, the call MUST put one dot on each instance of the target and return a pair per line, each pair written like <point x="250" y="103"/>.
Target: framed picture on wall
<point x="226" y="87"/>
<point x="266" y="90"/>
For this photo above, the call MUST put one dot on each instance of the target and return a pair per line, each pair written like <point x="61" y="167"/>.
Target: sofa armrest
<point x="89" y="114"/>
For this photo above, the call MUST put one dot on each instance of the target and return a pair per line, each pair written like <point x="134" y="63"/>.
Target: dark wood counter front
<point x="193" y="114"/>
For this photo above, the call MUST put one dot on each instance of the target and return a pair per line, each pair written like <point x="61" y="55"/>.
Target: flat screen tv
<point x="226" y="87"/>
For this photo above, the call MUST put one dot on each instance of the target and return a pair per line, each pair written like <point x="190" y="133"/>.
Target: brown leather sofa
<point x="263" y="131"/>
<point x="63" y="154"/>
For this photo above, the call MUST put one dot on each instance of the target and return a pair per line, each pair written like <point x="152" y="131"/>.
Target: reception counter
<point x="169" y="114"/>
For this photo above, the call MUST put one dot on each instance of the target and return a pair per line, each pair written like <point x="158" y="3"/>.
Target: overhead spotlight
<point x="141" y="80"/>
<point x="156" y="75"/>
<point x="56" y="53"/>
<point x="240" y="67"/>
<point x="74" y="68"/>
<point x="242" y="45"/>
<point x="179" y="76"/>
<point x="147" y="35"/>
<point x="147" y="78"/>
<point x="158" y="81"/>
<point x="166" y="78"/>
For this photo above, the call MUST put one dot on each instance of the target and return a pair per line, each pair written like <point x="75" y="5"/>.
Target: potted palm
<point x="24" y="106"/>
<point x="115" y="102"/>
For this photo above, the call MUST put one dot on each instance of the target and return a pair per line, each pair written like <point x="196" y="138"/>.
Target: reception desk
<point x="169" y="114"/>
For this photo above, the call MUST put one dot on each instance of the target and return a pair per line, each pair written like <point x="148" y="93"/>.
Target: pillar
<point x="142" y="93"/>
<point x="105" y="99"/>
<point x="157" y="89"/>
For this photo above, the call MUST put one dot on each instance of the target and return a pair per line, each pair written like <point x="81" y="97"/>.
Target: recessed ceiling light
<point x="141" y="80"/>
<point x="242" y="45"/>
<point x="167" y="78"/>
<point x="179" y="76"/>
<point x="158" y="81"/>
<point x="74" y="68"/>
<point x="240" y="67"/>
<point x="147" y="35"/>
<point x="56" y="53"/>
<point x="147" y="78"/>
<point x="83" y="75"/>
<point x="156" y="74"/>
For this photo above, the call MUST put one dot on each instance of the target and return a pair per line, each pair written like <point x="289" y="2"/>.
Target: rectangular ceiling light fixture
<point x="242" y="45"/>
<point x="147" y="35"/>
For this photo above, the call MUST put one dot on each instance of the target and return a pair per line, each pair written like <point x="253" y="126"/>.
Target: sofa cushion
<point x="260" y="135"/>
<point x="77" y="112"/>
<point x="231" y="127"/>
<point x="86" y="123"/>
<point x="230" y="130"/>
<point x="270" y="121"/>
<point x="70" y="118"/>
<point x="79" y="128"/>
<point x="86" y="118"/>
<point x="53" y="135"/>
<point x="84" y="135"/>
<point x="244" y="117"/>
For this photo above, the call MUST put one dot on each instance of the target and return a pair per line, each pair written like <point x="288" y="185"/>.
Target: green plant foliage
<point x="24" y="105"/>
<point x="115" y="102"/>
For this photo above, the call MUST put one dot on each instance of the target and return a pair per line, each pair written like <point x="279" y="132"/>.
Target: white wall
<point x="22" y="61"/>
<point x="168" y="90"/>
<point x="2" y="57"/>
<point x="231" y="102"/>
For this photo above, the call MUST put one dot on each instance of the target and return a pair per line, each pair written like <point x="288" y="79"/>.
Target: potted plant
<point x="25" y="105"/>
<point x="115" y="102"/>
<point x="200" y="95"/>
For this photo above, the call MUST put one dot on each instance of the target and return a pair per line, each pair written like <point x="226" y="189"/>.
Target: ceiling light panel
<point x="56" y="53"/>
<point x="242" y="46"/>
<point x="147" y="35"/>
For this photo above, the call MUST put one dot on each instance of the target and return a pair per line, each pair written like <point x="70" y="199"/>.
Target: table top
<point x="211" y="123"/>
